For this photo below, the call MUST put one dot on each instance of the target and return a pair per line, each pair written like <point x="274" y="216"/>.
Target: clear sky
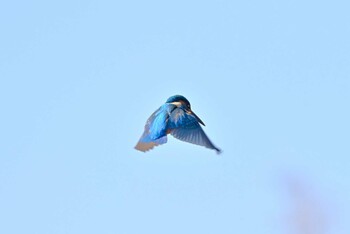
<point x="78" y="80"/>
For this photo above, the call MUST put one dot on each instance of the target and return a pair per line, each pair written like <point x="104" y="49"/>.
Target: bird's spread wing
<point x="185" y="127"/>
<point x="155" y="130"/>
<point x="145" y="146"/>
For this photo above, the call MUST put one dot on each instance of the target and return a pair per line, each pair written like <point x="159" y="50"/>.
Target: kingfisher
<point x="176" y="118"/>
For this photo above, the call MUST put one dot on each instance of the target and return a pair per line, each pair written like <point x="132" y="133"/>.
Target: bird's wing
<point x="155" y="130"/>
<point x="185" y="127"/>
<point x="145" y="146"/>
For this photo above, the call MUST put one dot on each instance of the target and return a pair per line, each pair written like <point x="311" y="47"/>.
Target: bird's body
<point x="175" y="117"/>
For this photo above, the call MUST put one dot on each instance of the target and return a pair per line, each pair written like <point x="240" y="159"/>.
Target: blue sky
<point x="78" y="80"/>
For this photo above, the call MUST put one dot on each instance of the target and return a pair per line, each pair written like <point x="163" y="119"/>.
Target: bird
<point x="174" y="117"/>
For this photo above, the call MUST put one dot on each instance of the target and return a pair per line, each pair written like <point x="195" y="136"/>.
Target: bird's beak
<point x="198" y="119"/>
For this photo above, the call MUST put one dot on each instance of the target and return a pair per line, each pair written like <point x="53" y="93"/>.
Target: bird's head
<point x="179" y="101"/>
<point x="182" y="102"/>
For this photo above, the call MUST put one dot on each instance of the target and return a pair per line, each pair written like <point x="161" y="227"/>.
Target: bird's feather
<point x="185" y="127"/>
<point x="155" y="130"/>
<point x="145" y="146"/>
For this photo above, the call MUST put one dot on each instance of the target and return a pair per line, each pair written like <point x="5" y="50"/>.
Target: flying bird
<point x="176" y="118"/>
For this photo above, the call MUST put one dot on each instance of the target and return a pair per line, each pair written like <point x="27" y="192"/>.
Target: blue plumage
<point x="175" y="117"/>
<point x="177" y="98"/>
<point x="157" y="128"/>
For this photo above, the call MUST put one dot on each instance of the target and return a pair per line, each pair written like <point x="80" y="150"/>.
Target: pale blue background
<point x="79" y="79"/>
